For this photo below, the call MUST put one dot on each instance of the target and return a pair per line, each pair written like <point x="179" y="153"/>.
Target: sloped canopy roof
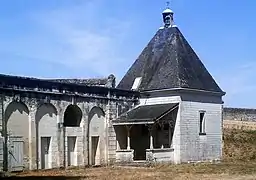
<point x="167" y="62"/>
<point x="145" y="113"/>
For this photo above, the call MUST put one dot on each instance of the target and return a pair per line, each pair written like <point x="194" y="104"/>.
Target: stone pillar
<point x="33" y="140"/>
<point x="151" y="141"/>
<point x="128" y="128"/>
<point x="32" y="137"/>
<point x="117" y="145"/>
<point x="170" y="134"/>
<point x="61" y="139"/>
<point x="85" y="138"/>
<point x="150" y="128"/>
<point x="111" y="114"/>
<point x="58" y="139"/>
<point x="128" y="141"/>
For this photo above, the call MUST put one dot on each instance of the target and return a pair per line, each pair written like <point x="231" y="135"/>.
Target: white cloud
<point x="80" y="37"/>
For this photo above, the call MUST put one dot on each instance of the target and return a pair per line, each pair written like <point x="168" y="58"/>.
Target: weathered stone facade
<point x="60" y="128"/>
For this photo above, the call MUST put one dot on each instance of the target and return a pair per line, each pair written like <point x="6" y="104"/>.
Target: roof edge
<point x="185" y="90"/>
<point x="9" y="81"/>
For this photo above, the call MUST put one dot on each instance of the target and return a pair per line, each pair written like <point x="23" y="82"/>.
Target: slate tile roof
<point x="168" y="61"/>
<point x="145" y="113"/>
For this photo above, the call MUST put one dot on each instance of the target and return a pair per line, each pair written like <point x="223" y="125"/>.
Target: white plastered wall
<point x="195" y="147"/>
<point x="187" y="143"/>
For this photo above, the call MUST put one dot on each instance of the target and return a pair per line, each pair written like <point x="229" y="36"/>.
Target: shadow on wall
<point x="47" y="177"/>
<point x="14" y="106"/>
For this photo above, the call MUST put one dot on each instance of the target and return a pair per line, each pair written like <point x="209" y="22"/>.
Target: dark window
<point x="72" y="116"/>
<point x="202" y="124"/>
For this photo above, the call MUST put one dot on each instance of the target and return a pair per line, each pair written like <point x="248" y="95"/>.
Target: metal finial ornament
<point x="168" y="16"/>
<point x="168" y="4"/>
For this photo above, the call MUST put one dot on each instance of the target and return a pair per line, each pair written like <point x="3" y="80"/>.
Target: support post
<point x="117" y="145"/>
<point x="128" y="140"/>
<point x="151" y="141"/>
<point x="151" y="128"/>
<point x="169" y="134"/>
<point x="128" y="128"/>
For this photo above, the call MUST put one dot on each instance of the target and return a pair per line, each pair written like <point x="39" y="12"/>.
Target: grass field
<point x="239" y="163"/>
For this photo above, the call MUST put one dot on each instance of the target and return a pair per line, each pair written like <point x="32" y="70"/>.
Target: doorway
<point x="97" y="137"/>
<point x="139" y="141"/>
<point x="71" y="151"/>
<point x="45" y="152"/>
<point x="95" y="150"/>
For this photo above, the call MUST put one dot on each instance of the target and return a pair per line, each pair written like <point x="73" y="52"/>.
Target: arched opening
<point x="46" y="136"/>
<point x="16" y="131"/>
<point x="72" y="116"/>
<point x="96" y="136"/>
<point x="72" y="119"/>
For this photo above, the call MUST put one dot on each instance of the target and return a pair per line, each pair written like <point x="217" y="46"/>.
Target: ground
<point x="239" y="163"/>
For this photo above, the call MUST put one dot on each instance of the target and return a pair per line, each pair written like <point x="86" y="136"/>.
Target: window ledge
<point x="202" y="134"/>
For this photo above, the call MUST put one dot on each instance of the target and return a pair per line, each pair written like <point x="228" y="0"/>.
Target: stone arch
<point x="12" y="115"/>
<point x="73" y="134"/>
<point x="46" y="136"/>
<point x="72" y="116"/>
<point x="96" y="136"/>
<point x="17" y="125"/>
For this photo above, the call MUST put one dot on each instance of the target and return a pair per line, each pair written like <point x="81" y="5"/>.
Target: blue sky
<point x="93" y="38"/>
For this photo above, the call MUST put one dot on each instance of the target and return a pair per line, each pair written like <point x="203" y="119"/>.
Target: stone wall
<point x="1" y="113"/>
<point x="1" y="138"/>
<point x="1" y="153"/>
<point x="239" y="114"/>
<point x="44" y="118"/>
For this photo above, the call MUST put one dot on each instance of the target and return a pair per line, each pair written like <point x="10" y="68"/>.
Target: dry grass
<point x="239" y="163"/>
<point x="237" y="171"/>
<point x="239" y="145"/>
<point x="243" y="125"/>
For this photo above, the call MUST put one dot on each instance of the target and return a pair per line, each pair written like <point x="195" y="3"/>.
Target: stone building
<point x="56" y="123"/>
<point x="179" y="118"/>
<point x="167" y="108"/>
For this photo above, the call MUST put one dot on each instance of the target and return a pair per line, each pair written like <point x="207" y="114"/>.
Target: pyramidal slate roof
<point x="167" y="62"/>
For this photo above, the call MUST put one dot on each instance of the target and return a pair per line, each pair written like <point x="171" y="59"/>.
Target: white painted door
<point x="45" y="153"/>
<point x="71" y="151"/>
<point x="16" y="153"/>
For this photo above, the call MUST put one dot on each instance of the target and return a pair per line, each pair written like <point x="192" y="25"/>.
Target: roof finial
<point x="168" y="16"/>
<point x="167" y="4"/>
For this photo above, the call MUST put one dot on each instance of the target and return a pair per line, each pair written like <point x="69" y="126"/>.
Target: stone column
<point x="60" y="138"/>
<point x="128" y="140"/>
<point x="150" y="128"/>
<point x="85" y="138"/>
<point x="170" y="134"/>
<point x="33" y="140"/>
<point x="151" y="141"/>
<point x="117" y="145"/>
<point x="128" y="128"/>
